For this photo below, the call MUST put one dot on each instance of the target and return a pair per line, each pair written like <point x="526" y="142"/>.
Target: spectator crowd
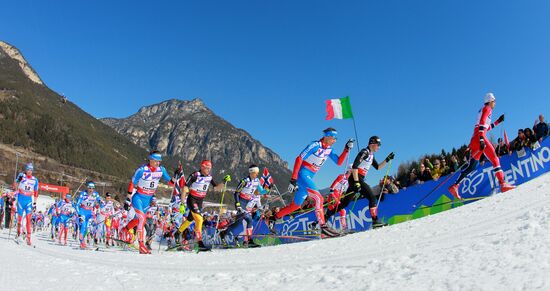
<point x="436" y="166"/>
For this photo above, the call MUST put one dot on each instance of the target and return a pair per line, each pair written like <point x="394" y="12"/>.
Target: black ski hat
<point x="375" y="140"/>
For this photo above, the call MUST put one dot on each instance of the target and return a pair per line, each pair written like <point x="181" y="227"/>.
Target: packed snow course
<point x="499" y="243"/>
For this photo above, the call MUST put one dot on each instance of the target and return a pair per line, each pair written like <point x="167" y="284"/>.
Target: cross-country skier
<point x="107" y="211"/>
<point x="197" y="186"/>
<point x="54" y="219"/>
<point x="141" y="190"/>
<point x="245" y="201"/>
<point x="359" y="170"/>
<point x="27" y="188"/>
<point x="480" y="145"/>
<point x="306" y="165"/>
<point x="87" y="200"/>
<point x="151" y="217"/>
<point x="66" y="210"/>
<point x="338" y="189"/>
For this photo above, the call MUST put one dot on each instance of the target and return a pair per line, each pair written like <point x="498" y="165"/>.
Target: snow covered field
<point x="500" y="243"/>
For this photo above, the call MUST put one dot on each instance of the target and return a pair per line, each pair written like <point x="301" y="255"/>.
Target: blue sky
<point x="416" y="71"/>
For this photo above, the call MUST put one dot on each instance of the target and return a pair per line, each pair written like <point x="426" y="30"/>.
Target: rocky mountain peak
<point x="15" y="54"/>
<point x="189" y="131"/>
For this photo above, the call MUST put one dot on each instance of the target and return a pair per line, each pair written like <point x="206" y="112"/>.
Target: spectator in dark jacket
<point x="446" y="169"/>
<point x="541" y="128"/>
<point x="425" y="173"/>
<point x="413" y="178"/>
<point x="501" y="148"/>
<point x="519" y="142"/>
<point x="454" y="163"/>
<point x="530" y="137"/>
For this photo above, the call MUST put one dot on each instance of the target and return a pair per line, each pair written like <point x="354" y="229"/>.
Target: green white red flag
<point x="338" y="108"/>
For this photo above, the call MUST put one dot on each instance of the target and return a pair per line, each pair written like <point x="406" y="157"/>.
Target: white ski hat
<point x="489" y="97"/>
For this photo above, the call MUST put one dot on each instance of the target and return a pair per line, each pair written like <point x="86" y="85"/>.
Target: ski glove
<point x="390" y="157"/>
<point x="178" y="172"/>
<point x="292" y="186"/>
<point x="127" y="204"/>
<point x="357" y="187"/>
<point x="182" y="208"/>
<point x="227" y="178"/>
<point x="500" y="119"/>
<point x="481" y="144"/>
<point x="349" y="143"/>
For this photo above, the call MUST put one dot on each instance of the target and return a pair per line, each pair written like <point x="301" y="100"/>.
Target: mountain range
<point x="39" y="120"/>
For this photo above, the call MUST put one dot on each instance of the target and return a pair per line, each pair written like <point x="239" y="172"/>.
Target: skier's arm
<point x="261" y="190"/>
<point x="17" y="180"/>
<point x="134" y="181"/>
<point x="376" y="165"/>
<point x="485" y="112"/>
<point x="36" y="191"/>
<point x="171" y="180"/>
<point x="339" y="160"/>
<point x="358" y="159"/>
<point x="497" y="122"/>
<point x="335" y="182"/>
<point x="237" y="192"/>
<point x="192" y="179"/>
<point x="300" y="159"/>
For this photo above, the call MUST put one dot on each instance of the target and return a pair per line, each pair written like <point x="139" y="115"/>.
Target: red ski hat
<point x="206" y="163"/>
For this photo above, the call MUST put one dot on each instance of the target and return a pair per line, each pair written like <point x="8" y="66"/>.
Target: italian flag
<point x="339" y="108"/>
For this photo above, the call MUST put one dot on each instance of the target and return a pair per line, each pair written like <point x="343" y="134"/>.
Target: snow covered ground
<point x="499" y="243"/>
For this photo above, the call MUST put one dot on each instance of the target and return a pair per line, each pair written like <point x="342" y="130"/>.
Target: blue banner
<point x="519" y="167"/>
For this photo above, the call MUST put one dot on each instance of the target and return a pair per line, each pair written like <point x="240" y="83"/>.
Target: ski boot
<point x="454" y="191"/>
<point x="148" y="245"/>
<point x="251" y="244"/>
<point x="328" y="231"/>
<point x="202" y="247"/>
<point x="506" y="187"/>
<point x="143" y="248"/>
<point x="29" y="240"/>
<point x="82" y="244"/>
<point x="130" y="237"/>
<point x="313" y="226"/>
<point x="271" y="221"/>
<point x="223" y="241"/>
<point x="376" y="223"/>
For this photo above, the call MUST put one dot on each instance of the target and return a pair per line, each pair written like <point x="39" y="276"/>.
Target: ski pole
<point x="14" y="179"/>
<point x="439" y="185"/>
<point x="383" y="184"/>
<point x="453" y="202"/>
<point x="221" y="205"/>
<point x="11" y="224"/>
<point x="280" y="196"/>
<point x="381" y="188"/>
<point x="77" y="189"/>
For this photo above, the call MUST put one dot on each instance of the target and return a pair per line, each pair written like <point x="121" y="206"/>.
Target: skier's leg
<point x="29" y="227"/>
<point x="343" y="223"/>
<point x="366" y="192"/>
<point x="319" y="201"/>
<point x="193" y="207"/>
<point x="198" y="225"/>
<point x="304" y="183"/>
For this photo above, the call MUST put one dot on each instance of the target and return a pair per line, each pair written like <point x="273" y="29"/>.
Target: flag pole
<point x="356" y="137"/>
<point x="354" y="127"/>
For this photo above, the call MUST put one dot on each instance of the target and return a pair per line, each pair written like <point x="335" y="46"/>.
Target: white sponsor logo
<point x="524" y="168"/>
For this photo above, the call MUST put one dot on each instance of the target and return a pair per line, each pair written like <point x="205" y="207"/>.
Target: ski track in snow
<point x="499" y="243"/>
